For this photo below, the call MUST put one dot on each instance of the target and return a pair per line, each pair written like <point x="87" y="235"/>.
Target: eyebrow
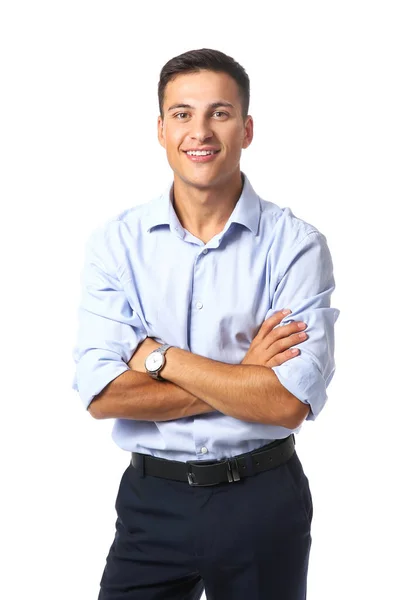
<point x="212" y="105"/>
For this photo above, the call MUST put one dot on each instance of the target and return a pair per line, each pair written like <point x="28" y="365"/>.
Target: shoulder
<point x="122" y="227"/>
<point x="110" y="241"/>
<point x="286" y="228"/>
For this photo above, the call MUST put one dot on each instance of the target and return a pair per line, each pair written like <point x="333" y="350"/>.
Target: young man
<point x="182" y="341"/>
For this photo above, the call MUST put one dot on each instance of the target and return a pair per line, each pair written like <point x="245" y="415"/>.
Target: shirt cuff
<point x="92" y="382"/>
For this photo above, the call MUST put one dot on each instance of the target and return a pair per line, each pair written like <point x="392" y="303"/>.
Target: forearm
<point x="137" y="396"/>
<point x="246" y="392"/>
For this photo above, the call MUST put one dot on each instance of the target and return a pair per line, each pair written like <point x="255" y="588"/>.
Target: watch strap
<point x="155" y="374"/>
<point x="162" y="349"/>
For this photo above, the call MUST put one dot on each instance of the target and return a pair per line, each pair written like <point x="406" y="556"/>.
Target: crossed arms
<point x="250" y="391"/>
<point x="112" y="346"/>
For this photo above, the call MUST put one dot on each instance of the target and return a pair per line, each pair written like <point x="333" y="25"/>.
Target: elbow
<point x="297" y="414"/>
<point x="98" y="407"/>
<point x="95" y="407"/>
<point x="294" y="411"/>
<point x="91" y="410"/>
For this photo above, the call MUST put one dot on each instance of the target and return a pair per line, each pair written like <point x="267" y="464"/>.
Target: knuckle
<point x="301" y="336"/>
<point x="282" y="345"/>
<point x="277" y="332"/>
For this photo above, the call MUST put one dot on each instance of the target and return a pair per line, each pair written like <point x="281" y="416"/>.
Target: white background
<point x="331" y="95"/>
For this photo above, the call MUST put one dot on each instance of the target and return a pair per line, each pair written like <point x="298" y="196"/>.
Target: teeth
<point x="200" y="153"/>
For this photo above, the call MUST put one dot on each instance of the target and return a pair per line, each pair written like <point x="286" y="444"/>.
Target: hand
<point x="271" y="347"/>
<point x="137" y="362"/>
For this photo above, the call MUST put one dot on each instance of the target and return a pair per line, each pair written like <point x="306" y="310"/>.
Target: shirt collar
<point x="246" y="212"/>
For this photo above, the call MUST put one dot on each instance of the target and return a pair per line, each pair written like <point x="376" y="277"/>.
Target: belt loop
<point x="233" y="470"/>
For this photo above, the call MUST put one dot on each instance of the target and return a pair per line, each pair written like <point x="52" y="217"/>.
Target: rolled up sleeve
<point x="109" y="331"/>
<point x="305" y="288"/>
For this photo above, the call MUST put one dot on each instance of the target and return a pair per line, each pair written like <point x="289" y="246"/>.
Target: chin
<point x="204" y="180"/>
<point x="202" y="183"/>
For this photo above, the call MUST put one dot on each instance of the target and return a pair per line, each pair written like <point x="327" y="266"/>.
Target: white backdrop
<point x="331" y="96"/>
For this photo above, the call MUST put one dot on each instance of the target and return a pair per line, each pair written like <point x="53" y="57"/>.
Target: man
<point x="182" y="341"/>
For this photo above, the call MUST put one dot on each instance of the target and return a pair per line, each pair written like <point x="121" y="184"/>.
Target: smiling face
<point x="203" y="129"/>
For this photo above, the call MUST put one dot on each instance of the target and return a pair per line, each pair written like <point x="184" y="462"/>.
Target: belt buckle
<point x="191" y="476"/>
<point x="232" y="471"/>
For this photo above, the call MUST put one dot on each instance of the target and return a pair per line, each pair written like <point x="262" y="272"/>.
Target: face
<point x="203" y="114"/>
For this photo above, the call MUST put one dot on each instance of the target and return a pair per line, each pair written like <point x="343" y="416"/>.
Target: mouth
<point x="201" y="156"/>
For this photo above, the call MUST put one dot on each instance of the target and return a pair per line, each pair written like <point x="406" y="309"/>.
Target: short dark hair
<point x="194" y="61"/>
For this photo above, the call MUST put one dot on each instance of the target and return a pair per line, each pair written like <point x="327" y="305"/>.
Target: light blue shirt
<point x="146" y="276"/>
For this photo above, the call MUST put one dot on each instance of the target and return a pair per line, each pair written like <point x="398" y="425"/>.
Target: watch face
<point x="154" y="361"/>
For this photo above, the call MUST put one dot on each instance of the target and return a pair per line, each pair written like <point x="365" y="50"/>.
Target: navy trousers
<point x="244" y="540"/>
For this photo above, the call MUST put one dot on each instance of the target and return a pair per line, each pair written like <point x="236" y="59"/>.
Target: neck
<point x="205" y="211"/>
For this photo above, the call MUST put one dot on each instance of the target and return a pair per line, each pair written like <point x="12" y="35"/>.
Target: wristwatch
<point x="155" y="361"/>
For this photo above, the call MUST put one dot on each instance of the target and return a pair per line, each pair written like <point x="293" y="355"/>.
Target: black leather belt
<point x="204" y="472"/>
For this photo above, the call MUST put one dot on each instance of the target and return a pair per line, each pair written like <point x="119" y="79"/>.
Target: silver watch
<point x="155" y="362"/>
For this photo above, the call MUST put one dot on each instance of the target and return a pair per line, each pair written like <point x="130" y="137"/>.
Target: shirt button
<point x="205" y="251"/>
<point x="199" y="305"/>
<point x="204" y="450"/>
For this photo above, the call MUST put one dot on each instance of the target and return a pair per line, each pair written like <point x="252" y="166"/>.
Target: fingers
<point x="272" y="344"/>
<point x="270" y="323"/>
<point x="284" y="332"/>
<point x="283" y="344"/>
<point x="281" y="358"/>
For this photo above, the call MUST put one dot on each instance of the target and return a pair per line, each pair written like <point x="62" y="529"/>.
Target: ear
<point x="249" y="132"/>
<point x="161" y="137"/>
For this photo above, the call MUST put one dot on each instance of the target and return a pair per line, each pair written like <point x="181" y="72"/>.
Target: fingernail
<point x="286" y="311"/>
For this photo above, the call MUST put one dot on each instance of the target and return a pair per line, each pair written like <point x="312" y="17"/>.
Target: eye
<point x="181" y="115"/>
<point x="221" y="113"/>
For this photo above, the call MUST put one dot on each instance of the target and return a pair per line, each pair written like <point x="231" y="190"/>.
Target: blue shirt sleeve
<point x="306" y="287"/>
<point x="109" y="331"/>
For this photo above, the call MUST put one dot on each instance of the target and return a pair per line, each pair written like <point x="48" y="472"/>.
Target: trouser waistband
<point x="230" y="470"/>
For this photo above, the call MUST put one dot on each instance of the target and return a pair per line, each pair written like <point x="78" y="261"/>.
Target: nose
<point x="201" y="129"/>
